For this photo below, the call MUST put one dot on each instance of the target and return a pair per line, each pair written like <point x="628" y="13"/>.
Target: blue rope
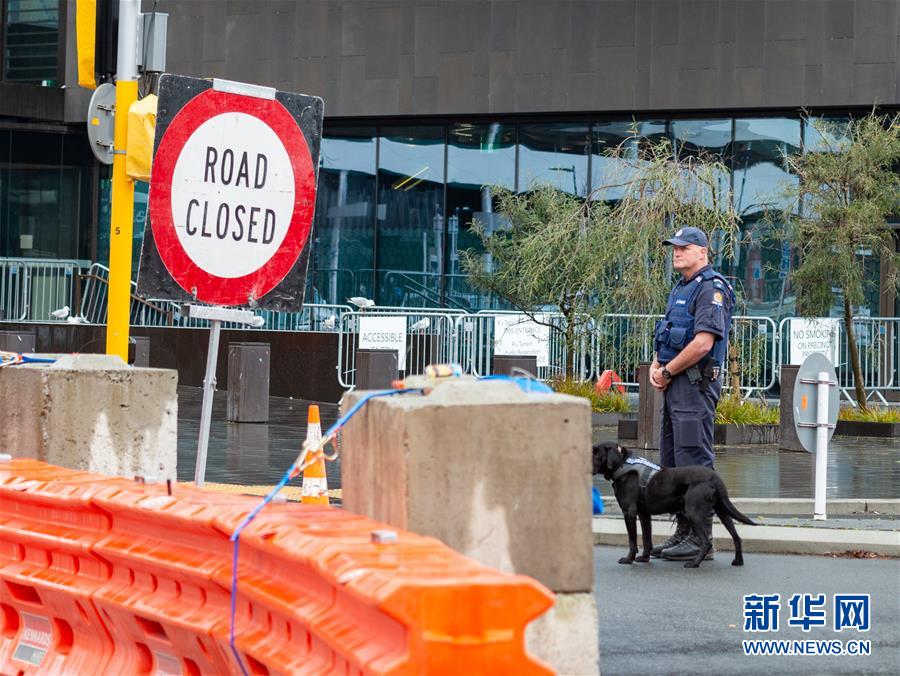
<point x="236" y="536"/>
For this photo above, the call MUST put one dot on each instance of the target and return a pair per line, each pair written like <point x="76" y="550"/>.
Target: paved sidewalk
<point x="778" y="535"/>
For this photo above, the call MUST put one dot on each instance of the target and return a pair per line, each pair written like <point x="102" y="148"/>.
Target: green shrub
<point x="607" y="402"/>
<point x="884" y="415"/>
<point x="732" y="410"/>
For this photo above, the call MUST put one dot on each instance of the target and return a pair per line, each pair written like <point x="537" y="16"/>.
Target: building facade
<point x="429" y="103"/>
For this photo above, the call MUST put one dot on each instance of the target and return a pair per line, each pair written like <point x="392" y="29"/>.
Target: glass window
<point x="342" y="259"/>
<point x="830" y="134"/>
<point x="479" y="157"/>
<point x="556" y="154"/>
<point x="709" y="140"/>
<point x="761" y="146"/>
<point x="31" y="39"/>
<point x="410" y="216"/>
<point x="609" y="175"/>
<point x="44" y="189"/>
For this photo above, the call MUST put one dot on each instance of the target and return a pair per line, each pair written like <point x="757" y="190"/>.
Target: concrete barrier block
<point x="94" y="413"/>
<point x="498" y="474"/>
<point x="566" y="635"/>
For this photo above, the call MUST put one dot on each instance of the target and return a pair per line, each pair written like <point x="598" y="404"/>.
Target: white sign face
<point x="814" y="335"/>
<point x="519" y="336"/>
<point x="384" y="333"/>
<point x="232" y="195"/>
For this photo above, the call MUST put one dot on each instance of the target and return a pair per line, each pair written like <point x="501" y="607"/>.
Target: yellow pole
<point x="121" y="230"/>
<point x="122" y="222"/>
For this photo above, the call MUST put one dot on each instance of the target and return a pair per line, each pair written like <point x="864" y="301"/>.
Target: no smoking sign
<point x="232" y="194"/>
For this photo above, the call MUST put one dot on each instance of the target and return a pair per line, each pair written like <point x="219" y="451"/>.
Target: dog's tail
<point x="729" y="506"/>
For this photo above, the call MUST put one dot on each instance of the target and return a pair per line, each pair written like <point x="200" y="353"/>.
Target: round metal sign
<point x="231" y="197"/>
<point x="806" y="399"/>
<point x="101" y="122"/>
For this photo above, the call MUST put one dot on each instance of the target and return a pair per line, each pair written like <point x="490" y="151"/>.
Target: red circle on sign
<point x="190" y="276"/>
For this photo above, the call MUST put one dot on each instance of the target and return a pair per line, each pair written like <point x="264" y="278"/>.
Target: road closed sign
<point x="232" y="194"/>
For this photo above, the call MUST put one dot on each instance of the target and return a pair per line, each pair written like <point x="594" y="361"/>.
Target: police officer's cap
<point x="688" y="235"/>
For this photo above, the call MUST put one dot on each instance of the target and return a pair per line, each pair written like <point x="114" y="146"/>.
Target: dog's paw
<point x="737" y="562"/>
<point x="626" y="560"/>
<point x="643" y="558"/>
<point x="691" y="564"/>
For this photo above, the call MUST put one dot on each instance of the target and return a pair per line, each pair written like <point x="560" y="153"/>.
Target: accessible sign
<point x="810" y="336"/>
<point x="518" y="336"/>
<point x="232" y="194"/>
<point x="384" y="333"/>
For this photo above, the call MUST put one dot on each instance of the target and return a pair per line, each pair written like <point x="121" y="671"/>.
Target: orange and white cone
<point x="315" y="483"/>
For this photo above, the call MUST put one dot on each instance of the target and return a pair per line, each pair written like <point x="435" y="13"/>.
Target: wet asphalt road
<point x="659" y="618"/>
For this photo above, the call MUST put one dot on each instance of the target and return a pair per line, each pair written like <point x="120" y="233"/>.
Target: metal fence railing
<point x="621" y="342"/>
<point x="429" y="338"/>
<point x="32" y="288"/>
<point x="877" y="344"/>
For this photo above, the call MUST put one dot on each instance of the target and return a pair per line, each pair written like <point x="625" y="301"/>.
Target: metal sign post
<point x="816" y="404"/>
<point x="215" y="315"/>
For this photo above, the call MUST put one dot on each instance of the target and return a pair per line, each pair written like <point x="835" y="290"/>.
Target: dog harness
<point x="645" y="470"/>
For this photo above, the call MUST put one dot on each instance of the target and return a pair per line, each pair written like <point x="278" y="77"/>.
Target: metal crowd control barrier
<point x="878" y="346"/>
<point x="430" y="339"/>
<point x="477" y="335"/>
<point x="621" y="342"/>
<point x="143" y="312"/>
<point x="32" y="288"/>
<point x="313" y="317"/>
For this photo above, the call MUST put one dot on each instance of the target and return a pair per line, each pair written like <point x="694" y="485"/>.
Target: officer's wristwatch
<point x="665" y="374"/>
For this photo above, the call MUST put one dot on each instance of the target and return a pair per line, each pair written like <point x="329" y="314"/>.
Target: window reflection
<point x="479" y="157"/>
<point x="343" y="246"/>
<point x="708" y="140"/>
<point x="760" y="176"/>
<point x="43" y="180"/>
<point x="556" y="154"/>
<point x="831" y="134"/>
<point x="610" y="175"/>
<point x="410" y="216"/>
<point x="31" y="37"/>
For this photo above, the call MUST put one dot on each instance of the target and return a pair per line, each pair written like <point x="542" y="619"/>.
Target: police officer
<point x="691" y="345"/>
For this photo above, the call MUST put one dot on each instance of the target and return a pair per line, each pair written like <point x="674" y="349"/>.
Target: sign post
<point x="232" y="196"/>
<point x="815" y="422"/>
<point x="122" y="220"/>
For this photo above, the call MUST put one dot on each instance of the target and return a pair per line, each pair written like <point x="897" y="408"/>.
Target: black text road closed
<point x="232" y="193"/>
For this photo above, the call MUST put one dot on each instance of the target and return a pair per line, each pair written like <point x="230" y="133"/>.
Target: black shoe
<point x="686" y="550"/>
<point x="672" y="541"/>
<point x="682" y="530"/>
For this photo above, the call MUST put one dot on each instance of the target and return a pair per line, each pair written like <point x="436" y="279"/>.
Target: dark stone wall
<point x="302" y="364"/>
<point x="415" y="57"/>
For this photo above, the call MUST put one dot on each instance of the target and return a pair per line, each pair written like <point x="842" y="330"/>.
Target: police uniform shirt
<point x="712" y="306"/>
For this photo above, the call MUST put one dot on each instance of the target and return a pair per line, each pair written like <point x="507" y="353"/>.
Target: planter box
<point x="605" y="419"/>
<point x="854" y="428"/>
<point x="745" y="434"/>
<point x="724" y="434"/>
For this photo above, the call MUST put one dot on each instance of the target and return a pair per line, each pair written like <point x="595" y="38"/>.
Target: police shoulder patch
<point x="717" y="298"/>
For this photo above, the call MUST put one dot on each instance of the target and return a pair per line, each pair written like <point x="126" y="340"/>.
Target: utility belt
<point x="703" y="372"/>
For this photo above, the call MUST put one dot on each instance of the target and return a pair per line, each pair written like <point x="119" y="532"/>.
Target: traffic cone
<point x="315" y="483"/>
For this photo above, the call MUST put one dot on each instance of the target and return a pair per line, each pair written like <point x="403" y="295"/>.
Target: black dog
<point x="695" y="491"/>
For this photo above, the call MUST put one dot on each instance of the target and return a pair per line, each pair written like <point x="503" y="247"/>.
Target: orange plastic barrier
<point x="104" y="575"/>
<point x="608" y="380"/>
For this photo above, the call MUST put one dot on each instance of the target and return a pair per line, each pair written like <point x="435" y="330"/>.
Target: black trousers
<point x="688" y="418"/>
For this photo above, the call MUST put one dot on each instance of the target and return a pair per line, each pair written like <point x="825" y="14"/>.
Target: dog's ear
<point x="615" y="458"/>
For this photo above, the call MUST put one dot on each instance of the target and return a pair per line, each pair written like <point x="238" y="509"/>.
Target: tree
<point x="603" y="254"/>
<point x="845" y="191"/>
